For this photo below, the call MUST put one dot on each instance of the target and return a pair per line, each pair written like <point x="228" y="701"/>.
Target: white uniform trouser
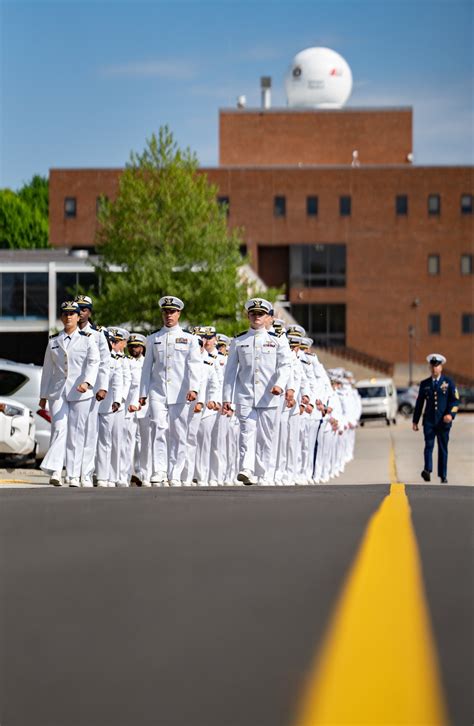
<point x="104" y="446"/>
<point x="282" y="451"/>
<point x="257" y="427"/>
<point x="276" y="443"/>
<point x="293" y="446"/>
<point x="169" y="428"/>
<point x="231" y="437"/>
<point x="90" y="442"/>
<point x="204" y="444"/>
<point x="127" y="450"/>
<point x="191" y="446"/>
<point x="68" y="428"/>
<point x="118" y="442"/>
<point x="143" y="449"/>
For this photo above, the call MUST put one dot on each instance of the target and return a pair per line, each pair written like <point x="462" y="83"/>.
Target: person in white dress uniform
<point x="171" y="378"/>
<point x="140" y="426"/>
<point x="256" y="375"/>
<point x="100" y="388"/>
<point x="70" y="369"/>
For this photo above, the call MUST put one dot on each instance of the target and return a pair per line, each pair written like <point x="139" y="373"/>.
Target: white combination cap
<point x="296" y="330"/>
<point x="136" y="339"/>
<point x="171" y="303"/>
<point x="118" y="334"/>
<point x="435" y="359"/>
<point x="258" y="305"/>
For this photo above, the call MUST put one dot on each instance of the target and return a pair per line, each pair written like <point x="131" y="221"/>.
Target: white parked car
<point x="17" y="428"/>
<point x="379" y="399"/>
<point x="22" y="382"/>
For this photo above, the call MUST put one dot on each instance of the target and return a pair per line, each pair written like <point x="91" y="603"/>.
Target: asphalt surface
<point x="178" y="607"/>
<point x="206" y="607"/>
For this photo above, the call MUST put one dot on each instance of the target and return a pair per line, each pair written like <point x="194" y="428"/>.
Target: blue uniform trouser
<point x="439" y="431"/>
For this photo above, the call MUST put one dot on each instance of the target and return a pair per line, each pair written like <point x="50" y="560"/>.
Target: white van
<point x="379" y="399"/>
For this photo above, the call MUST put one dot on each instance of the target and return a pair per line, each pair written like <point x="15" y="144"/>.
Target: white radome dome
<point x="318" y="78"/>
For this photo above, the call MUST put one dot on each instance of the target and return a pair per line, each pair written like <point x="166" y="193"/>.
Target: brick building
<point x="373" y="251"/>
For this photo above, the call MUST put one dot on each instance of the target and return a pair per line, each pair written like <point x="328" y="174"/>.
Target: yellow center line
<point x="378" y="663"/>
<point x="14" y="481"/>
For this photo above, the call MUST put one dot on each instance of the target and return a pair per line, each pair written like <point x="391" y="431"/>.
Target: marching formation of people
<point x="193" y="407"/>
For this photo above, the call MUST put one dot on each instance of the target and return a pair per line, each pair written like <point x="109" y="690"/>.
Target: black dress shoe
<point x="426" y="475"/>
<point x="444" y="480"/>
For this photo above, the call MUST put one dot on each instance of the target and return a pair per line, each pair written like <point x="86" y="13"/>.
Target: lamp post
<point x="412" y="342"/>
<point x="411" y="336"/>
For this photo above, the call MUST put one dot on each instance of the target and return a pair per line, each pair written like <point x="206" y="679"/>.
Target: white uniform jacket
<point x="257" y="361"/>
<point x="102" y="382"/>
<point x="211" y="389"/>
<point x="172" y="366"/>
<point x="66" y="366"/>
<point x="135" y="366"/>
<point x="115" y="388"/>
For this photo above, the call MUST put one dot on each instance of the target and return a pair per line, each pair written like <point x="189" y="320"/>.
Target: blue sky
<point x="84" y="83"/>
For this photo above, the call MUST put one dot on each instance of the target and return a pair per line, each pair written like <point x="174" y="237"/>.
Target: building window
<point x="24" y="295"/>
<point x="279" y="206"/>
<point x="466" y="204"/>
<point x="325" y="323"/>
<point x="434" y="204"/>
<point x="345" y="206"/>
<point x="467" y="323"/>
<point x="401" y="204"/>
<point x="312" y="206"/>
<point x="466" y="264"/>
<point x="224" y="203"/>
<point x="70" y="206"/>
<point x="434" y="265"/>
<point x="70" y="284"/>
<point x="318" y="265"/>
<point x="434" y="323"/>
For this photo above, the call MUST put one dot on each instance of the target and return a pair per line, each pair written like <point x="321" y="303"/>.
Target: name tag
<point x="54" y="346"/>
<point x="158" y="342"/>
<point x="269" y="345"/>
<point x="181" y="340"/>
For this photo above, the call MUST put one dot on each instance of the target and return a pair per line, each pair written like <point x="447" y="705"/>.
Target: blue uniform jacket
<point x="437" y="400"/>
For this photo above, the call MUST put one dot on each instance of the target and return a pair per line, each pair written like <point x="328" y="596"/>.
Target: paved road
<point x="179" y="607"/>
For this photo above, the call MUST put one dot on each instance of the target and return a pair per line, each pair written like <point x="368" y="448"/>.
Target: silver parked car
<point x="21" y="381"/>
<point x="17" y="429"/>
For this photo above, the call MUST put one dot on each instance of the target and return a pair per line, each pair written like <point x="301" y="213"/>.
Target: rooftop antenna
<point x="266" y="85"/>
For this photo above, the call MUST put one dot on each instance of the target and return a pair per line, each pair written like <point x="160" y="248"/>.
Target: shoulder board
<point x="242" y="333"/>
<point x="99" y="328"/>
<point x="55" y="335"/>
<point x="82" y="332"/>
<point x="208" y="363"/>
<point x="270" y="332"/>
<point x="306" y="362"/>
<point x="114" y="355"/>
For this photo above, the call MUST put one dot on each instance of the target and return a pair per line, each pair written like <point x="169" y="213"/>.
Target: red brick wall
<point x="283" y="136"/>
<point x="386" y="254"/>
<point x="86" y="185"/>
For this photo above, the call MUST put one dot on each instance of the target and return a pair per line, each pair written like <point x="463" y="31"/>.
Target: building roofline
<point x="287" y="109"/>
<point x="328" y="167"/>
<point x="271" y="167"/>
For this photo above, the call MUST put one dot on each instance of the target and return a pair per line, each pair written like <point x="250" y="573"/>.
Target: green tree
<point x="36" y="194"/>
<point x="167" y="234"/>
<point x="21" y="226"/>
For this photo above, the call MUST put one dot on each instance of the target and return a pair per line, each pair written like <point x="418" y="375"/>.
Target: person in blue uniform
<point x="439" y="398"/>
